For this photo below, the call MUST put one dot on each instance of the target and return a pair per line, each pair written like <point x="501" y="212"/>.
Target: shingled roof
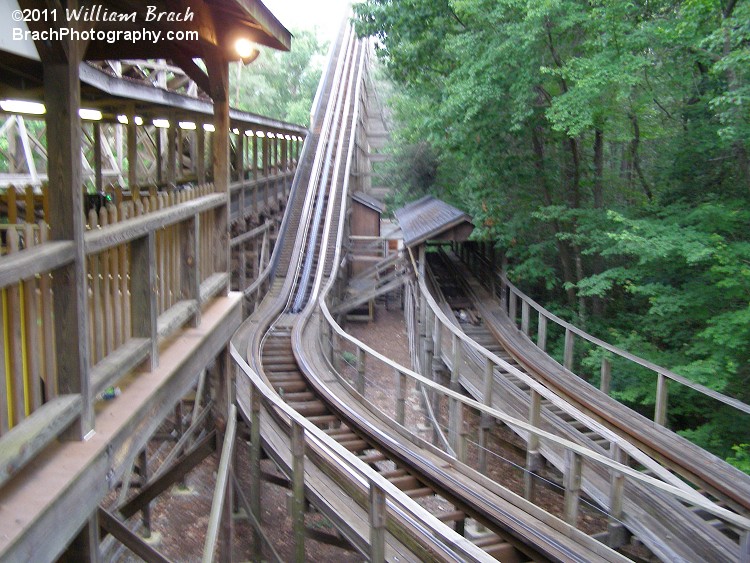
<point x="369" y="201"/>
<point x="429" y="218"/>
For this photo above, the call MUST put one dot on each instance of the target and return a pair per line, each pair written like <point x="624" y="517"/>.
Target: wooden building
<point x="136" y="296"/>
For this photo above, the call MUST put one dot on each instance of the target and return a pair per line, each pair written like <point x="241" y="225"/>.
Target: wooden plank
<point x="31" y="328"/>
<point x="110" y="524"/>
<point x="143" y="300"/>
<point x="119" y="363"/>
<point x="23" y="442"/>
<point x="33" y="261"/>
<point x="175" y="317"/>
<point x="140" y="226"/>
<point x="195" y="455"/>
<point x="220" y="490"/>
<point x="14" y="335"/>
<point x="4" y="419"/>
<point x="48" y="324"/>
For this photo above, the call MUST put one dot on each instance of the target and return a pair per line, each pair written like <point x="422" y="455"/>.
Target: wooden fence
<point x="27" y="334"/>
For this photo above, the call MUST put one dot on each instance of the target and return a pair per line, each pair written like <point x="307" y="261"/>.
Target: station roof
<point x="429" y="218"/>
<point x="217" y="24"/>
<point x="369" y="201"/>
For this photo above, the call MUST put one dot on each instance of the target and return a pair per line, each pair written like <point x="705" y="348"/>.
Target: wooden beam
<point x="34" y="433"/>
<point x="62" y="97"/>
<point x="200" y="451"/>
<point x="112" y="525"/>
<point x="220" y="490"/>
<point x="113" y="235"/>
<point x="32" y="261"/>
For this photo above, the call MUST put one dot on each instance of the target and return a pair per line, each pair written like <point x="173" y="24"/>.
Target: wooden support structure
<point x="568" y="352"/>
<point x="297" y="495"/>
<point x="616" y="531"/>
<point x="572" y="483"/>
<point x="378" y="518"/>
<point x="223" y="482"/>
<point x="533" y="456"/>
<point x="62" y="97"/>
<point x="359" y="384"/>
<point x="400" y="396"/>
<point x="605" y="383"/>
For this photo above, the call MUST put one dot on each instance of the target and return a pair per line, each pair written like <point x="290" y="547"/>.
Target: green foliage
<point x="280" y="84"/>
<point x="604" y="147"/>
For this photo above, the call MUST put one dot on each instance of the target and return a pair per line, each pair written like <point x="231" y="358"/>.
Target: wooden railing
<point x="334" y="341"/>
<point x="150" y="264"/>
<point x="536" y="322"/>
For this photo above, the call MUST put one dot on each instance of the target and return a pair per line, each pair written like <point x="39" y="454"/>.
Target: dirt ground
<point x="179" y="517"/>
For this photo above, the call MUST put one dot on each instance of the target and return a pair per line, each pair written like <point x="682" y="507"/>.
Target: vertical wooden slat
<point x="12" y="205"/>
<point x="400" y="396"/>
<point x="5" y="385"/>
<point x="114" y="265"/>
<point x="48" y="330"/>
<point x="105" y="265"/>
<point x="14" y="312"/>
<point x="96" y="305"/>
<point x="525" y="317"/>
<point x="606" y="376"/>
<point x="662" y="394"/>
<point x="143" y="308"/>
<point x="541" y="338"/>
<point x="568" y="352"/>
<point x="33" y="373"/>
<point x="533" y="457"/>
<point x="30" y="211"/>
<point x="572" y="482"/>
<point x="616" y="532"/>
<point x="378" y="518"/>
<point x="298" y="491"/>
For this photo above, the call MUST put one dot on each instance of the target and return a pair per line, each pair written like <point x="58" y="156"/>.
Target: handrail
<point x="360" y="472"/>
<point x="730" y="401"/>
<point x="678" y="490"/>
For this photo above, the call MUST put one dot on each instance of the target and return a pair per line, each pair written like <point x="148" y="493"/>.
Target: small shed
<point x="432" y="219"/>
<point x="365" y="217"/>
<point x="366" y="213"/>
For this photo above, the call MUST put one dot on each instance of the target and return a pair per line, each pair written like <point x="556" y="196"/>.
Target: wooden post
<point x="616" y="532"/>
<point x="143" y="311"/>
<point x="159" y="139"/>
<point x="191" y="260"/>
<point x="606" y="376"/>
<point x="200" y="160"/>
<point x="297" y="499"/>
<point x="485" y="423"/>
<point x="360" y="383"/>
<point x="62" y="97"/>
<point x="146" y="511"/>
<point x="400" y="396"/>
<point x="572" y="481"/>
<point x="541" y="334"/>
<point x="745" y="547"/>
<point x="512" y="313"/>
<point x="132" y="139"/>
<point x="255" y="482"/>
<point x="98" y="156"/>
<point x="378" y="518"/>
<point x="533" y="457"/>
<point x="525" y="317"/>
<point x="568" y="353"/>
<point x="662" y="393"/>
<point x="85" y="546"/>
<point x="172" y="150"/>
<point x="462" y="431"/>
<point x="219" y="79"/>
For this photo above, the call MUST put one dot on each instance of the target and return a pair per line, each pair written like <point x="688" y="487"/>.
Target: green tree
<point x="280" y="84"/>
